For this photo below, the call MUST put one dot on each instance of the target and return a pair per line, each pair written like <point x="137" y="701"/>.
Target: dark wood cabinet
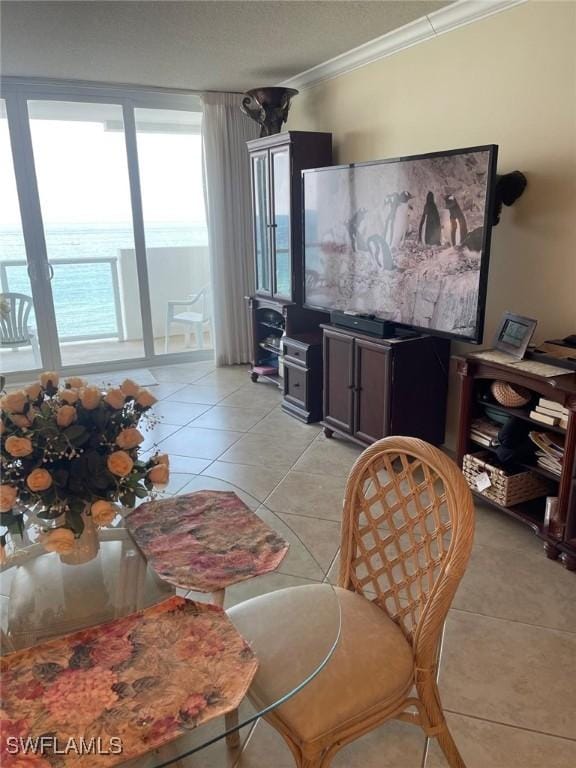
<point x="339" y="381"/>
<point x="379" y="387"/>
<point x="276" y="163"/>
<point x="372" y="390"/>
<point x="303" y="376"/>
<point x="475" y="376"/>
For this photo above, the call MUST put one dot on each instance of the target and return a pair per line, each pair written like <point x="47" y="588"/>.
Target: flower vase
<point x="86" y="546"/>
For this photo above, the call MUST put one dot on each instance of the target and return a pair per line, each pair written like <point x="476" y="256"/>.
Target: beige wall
<point x="510" y="80"/>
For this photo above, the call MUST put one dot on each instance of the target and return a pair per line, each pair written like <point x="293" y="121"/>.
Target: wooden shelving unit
<point x="475" y="376"/>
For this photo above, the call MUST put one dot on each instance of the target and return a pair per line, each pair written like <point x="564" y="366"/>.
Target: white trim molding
<point x="446" y="19"/>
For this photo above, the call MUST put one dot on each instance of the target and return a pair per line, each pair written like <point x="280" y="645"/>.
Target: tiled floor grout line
<point x="514" y="621"/>
<point x="508" y="725"/>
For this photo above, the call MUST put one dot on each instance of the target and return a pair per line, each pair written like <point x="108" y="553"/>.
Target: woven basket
<point x="510" y="395"/>
<point x="506" y="489"/>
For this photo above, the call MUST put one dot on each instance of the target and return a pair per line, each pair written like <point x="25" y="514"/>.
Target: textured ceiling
<point x="197" y="45"/>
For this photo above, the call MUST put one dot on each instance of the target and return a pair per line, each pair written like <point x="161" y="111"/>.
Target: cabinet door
<point x="296" y="385"/>
<point x="280" y="181"/>
<point x="372" y="390"/>
<point x="338" y="380"/>
<point x="261" y="219"/>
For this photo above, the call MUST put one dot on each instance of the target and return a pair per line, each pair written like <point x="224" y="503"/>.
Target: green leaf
<point x="74" y="521"/>
<point x="142" y="493"/>
<point x="129" y="499"/>
<point x="95" y="462"/>
<point x="100" y="481"/>
<point x="61" y="477"/>
<point x="77" y="434"/>
<point x="77" y="506"/>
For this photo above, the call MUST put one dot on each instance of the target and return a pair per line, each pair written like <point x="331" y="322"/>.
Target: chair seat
<point x="188" y="317"/>
<point x="371" y="666"/>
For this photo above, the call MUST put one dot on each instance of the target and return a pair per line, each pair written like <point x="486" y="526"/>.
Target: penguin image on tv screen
<point x="429" y="229"/>
<point x="458" y="228"/>
<point x="398" y="219"/>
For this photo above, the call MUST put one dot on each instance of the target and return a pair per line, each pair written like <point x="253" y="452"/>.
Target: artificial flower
<point x="162" y="458"/>
<point x="33" y="390"/>
<point x="49" y="378"/>
<point x="65" y="415"/>
<point x="14" y="402"/>
<point x="39" y="480"/>
<point x="8" y="495"/>
<point x="129" y="438"/>
<point x="18" y="446"/>
<point x="115" y="398"/>
<point x="159" y="474"/>
<point x="90" y="398"/>
<point x="146" y="399"/>
<point x="20" y="420"/>
<point x="102" y="512"/>
<point x="119" y="463"/>
<point x="59" y="540"/>
<point x="130" y="388"/>
<point x="75" y="382"/>
<point x="69" y="396"/>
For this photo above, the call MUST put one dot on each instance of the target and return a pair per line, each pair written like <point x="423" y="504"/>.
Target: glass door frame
<point x="17" y="92"/>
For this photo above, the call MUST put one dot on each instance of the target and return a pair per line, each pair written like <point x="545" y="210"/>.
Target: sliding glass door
<point x="111" y="251"/>
<point x="170" y="165"/>
<point x="19" y="349"/>
<point x="82" y="175"/>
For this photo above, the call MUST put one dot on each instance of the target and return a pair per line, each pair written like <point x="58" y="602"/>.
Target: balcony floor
<point x="103" y="351"/>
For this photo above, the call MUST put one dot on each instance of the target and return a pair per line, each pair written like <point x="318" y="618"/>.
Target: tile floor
<point x="508" y="671"/>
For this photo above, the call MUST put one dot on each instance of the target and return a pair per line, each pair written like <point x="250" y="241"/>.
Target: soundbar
<point x="372" y="326"/>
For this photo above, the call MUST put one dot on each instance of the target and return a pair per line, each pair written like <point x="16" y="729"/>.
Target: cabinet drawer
<point x="296" y="352"/>
<point x="296" y="384"/>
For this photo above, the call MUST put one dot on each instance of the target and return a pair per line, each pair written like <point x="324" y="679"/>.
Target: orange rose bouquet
<point x="69" y="449"/>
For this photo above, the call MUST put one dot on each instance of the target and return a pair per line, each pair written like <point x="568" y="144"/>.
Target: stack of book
<point x="485" y="432"/>
<point x="551" y="413"/>
<point x="550" y="453"/>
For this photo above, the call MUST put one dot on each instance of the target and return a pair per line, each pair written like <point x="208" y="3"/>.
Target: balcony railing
<point x="87" y="300"/>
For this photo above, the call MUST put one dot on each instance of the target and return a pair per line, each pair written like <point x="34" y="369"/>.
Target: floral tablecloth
<point x="205" y="541"/>
<point x="141" y="680"/>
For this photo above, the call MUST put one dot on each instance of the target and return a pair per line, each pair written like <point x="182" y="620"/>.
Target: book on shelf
<point x="543" y="418"/>
<point x="552" y="405"/>
<point x="485" y="432"/>
<point x="549" y="412"/>
<point x="550" y="453"/>
<point x="547" y="462"/>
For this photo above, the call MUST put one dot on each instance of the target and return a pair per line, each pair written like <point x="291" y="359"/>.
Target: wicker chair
<point x="407" y="533"/>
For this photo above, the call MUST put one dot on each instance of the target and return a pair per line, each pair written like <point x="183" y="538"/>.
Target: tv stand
<point x="377" y="387"/>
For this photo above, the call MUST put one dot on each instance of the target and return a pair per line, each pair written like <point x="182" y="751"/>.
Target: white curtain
<point x="225" y="131"/>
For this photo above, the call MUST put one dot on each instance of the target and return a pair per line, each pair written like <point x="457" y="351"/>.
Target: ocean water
<point x="83" y="293"/>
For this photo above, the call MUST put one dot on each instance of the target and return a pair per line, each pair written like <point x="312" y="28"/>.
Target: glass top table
<point x="42" y="598"/>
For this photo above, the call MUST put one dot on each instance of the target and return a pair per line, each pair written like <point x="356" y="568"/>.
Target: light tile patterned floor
<point x="508" y="677"/>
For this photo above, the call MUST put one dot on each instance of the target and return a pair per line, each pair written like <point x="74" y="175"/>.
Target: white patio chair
<point x="191" y="320"/>
<point x="15" y="330"/>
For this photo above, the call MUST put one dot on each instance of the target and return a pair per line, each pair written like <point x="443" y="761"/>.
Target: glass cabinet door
<point x="260" y="192"/>
<point x="280" y="167"/>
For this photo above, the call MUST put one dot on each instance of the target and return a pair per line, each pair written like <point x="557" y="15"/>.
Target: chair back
<point x="407" y="533"/>
<point x="206" y="294"/>
<point x="14" y="319"/>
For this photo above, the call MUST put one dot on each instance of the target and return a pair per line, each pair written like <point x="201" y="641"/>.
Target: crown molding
<point x="438" y="23"/>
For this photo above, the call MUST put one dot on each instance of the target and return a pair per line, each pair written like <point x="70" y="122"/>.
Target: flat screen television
<point x="406" y="240"/>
